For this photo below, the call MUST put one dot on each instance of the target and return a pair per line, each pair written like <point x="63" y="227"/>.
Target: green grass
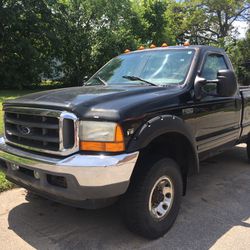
<point x="7" y="94"/>
<point x="4" y="184"/>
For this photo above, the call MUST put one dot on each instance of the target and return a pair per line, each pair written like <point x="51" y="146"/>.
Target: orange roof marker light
<point x="186" y="44"/>
<point x="152" y="46"/>
<point x="127" y="51"/>
<point x="164" y="45"/>
<point x="141" y="48"/>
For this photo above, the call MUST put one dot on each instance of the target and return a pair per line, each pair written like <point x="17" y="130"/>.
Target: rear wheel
<point x="152" y="202"/>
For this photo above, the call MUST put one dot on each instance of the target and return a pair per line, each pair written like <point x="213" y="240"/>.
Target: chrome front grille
<point x="42" y="130"/>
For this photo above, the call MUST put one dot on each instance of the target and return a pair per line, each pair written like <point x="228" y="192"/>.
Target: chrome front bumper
<point x="94" y="176"/>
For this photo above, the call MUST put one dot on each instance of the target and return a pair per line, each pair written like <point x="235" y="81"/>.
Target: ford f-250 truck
<point x="134" y="132"/>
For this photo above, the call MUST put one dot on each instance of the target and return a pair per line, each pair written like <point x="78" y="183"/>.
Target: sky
<point x="242" y="28"/>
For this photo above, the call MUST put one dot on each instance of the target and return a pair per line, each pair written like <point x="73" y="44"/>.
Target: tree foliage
<point x="239" y="53"/>
<point x="207" y="21"/>
<point x="92" y="32"/>
<point x="27" y="39"/>
<point x="69" y="39"/>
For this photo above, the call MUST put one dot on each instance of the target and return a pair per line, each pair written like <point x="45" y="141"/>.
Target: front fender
<point x="162" y="125"/>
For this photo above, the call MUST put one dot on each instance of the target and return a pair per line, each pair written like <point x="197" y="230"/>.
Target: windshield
<point x="162" y="67"/>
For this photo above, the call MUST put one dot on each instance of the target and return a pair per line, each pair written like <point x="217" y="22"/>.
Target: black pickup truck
<point x="133" y="133"/>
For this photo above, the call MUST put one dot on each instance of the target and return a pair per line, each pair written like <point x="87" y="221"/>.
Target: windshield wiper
<point x="136" y="78"/>
<point x="101" y="80"/>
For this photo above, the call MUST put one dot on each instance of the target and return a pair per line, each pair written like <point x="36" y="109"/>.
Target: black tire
<point x="135" y="203"/>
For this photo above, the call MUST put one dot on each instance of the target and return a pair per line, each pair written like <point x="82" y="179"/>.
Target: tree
<point x="153" y="26"/>
<point x="186" y="22"/>
<point x="156" y="21"/>
<point x="91" y="33"/>
<point x="222" y="14"/>
<point x="206" y="21"/>
<point x="27" y="36"/>
<point x="82" y="35"/>
<point x="239" y="53"/>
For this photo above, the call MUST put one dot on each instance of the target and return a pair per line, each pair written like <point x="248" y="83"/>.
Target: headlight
<point x="101" y="136"/>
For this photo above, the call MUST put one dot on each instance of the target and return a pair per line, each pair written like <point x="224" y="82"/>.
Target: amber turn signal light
<point x="102" y="146"/>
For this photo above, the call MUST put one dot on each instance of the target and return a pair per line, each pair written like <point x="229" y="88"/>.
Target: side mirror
<point x="227" y="83"/>
<point x="85" y="79"/>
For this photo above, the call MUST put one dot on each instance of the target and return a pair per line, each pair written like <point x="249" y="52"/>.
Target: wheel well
<point x="175" y="146"/>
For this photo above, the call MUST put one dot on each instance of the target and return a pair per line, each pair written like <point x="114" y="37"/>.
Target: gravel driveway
<point x="215" y="214"/>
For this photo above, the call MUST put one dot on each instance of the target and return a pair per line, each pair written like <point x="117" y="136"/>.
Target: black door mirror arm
<point x="198" y="84"/>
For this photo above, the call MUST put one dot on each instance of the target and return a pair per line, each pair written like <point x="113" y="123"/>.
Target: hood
<point x="104" y="102"/>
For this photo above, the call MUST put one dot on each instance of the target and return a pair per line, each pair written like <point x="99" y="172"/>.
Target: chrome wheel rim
<point x="161" y="198"/>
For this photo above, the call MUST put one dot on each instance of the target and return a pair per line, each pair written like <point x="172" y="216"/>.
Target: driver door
<point x="218" y="118"/>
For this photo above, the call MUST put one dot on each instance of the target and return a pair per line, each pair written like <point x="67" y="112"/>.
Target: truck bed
<point x="245" y="120"/>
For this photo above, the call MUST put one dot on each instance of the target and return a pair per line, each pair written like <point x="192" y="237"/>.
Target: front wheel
<point x="152" y="202"/>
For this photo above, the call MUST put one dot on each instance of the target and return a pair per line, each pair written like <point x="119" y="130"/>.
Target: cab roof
<point x="202" y="48"/>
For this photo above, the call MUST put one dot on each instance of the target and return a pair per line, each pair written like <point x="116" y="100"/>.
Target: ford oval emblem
<point x="24" y="130"/>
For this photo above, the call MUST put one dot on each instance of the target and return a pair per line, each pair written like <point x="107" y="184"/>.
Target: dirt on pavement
<point x="215" y="214"/>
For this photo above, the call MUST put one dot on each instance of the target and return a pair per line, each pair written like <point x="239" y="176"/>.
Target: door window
<point x="213" y="63"/>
